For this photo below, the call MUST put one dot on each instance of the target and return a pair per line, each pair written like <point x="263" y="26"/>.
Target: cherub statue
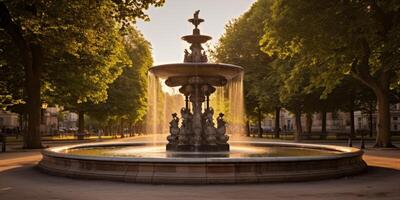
<point x="186" y="127"/>
<point x="187" y="57"/>
<point x="221" y="129"/>
<point x="173" y="129"/>
<point x="209" y="129"/>
<point x="204" y="57"/>
<point x="220" y="120"/>
<point x="175" y="121"/>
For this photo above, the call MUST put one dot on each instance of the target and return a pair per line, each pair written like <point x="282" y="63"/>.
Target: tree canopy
<point x="127" y="96"/>
<point x="311" y="56"/>
<point x="335" y="39"/>
<point x="69" y="51"/>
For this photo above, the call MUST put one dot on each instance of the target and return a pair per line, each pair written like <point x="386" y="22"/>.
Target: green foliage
<point x="84" y="49"/>
<point x="127" y="94"/>
<point x="70" y="51"/>
<point x="12" y="74"/>
<point x="332" y="39"/>
<point x="84" y="59"/>
<point x="294" y="56"/>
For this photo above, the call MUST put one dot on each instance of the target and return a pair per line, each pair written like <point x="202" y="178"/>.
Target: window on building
<point x="395" y="118"/>
<point x="1" y="122"/>
<point x="395" y="127"/>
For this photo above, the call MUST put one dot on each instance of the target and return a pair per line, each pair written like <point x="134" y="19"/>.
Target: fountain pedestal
<point x="197" y="131"/>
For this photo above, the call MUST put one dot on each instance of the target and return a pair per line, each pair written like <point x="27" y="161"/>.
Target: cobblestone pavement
<point x="20" y="180"/>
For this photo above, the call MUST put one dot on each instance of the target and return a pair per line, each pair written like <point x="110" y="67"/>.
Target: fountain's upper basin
<point x="227" y="71"/>
<point x="196" y="38"/>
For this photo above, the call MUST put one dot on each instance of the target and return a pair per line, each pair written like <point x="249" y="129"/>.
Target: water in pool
<point x="160" y="152"/>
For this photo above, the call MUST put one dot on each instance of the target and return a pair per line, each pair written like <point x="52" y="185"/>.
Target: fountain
<point x="197" y="151"/>
<point x="197" y="80"/>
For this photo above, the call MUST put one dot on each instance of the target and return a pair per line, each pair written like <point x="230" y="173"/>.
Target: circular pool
<point x="246" y="162"/>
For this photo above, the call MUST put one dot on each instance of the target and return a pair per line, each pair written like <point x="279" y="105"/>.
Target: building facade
<point x="8" y="119"/>
<point x="335" y="122"/>
<point x="53" y="120"/>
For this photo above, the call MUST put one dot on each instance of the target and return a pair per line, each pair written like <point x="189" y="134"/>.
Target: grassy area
<point x="60" y="138"/>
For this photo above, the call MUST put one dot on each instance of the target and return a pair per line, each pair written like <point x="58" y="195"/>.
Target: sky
<point x="169" y="23"/>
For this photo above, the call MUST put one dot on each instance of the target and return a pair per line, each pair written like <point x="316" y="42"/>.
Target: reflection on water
<point x="160" y="152"/>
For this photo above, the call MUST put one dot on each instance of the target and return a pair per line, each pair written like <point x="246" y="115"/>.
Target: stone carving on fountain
<point x="197" y="131"/>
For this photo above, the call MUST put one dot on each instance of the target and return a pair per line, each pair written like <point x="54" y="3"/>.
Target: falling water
<point x="236" y="127"/>
<point x="152" y="119"/>
<point x="162" y="101"/>
<point x="229" y="100"/>
<point x="218" y="101"/>
<point x="172" y="103"/>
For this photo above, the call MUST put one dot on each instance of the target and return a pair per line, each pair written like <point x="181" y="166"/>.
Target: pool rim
<point x="345" y="152"/>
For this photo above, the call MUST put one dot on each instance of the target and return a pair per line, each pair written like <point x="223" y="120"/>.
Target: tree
<point x="240" y="45"/>
<point x="127" y="94"/>
<point x="94" y="49"/>
<point x="335" y="39"/>
<point x="32" y="25"/>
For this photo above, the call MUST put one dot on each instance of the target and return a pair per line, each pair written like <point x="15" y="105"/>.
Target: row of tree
<point x="317" y="56"/>
<point x="85" y="56"/>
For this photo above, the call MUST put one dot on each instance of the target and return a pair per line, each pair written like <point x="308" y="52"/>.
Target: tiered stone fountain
<point x="198" y="131"/>
<point x="197" y="151"/>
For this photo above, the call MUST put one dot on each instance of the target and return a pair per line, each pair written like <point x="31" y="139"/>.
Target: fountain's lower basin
<point x="247" y="162"/>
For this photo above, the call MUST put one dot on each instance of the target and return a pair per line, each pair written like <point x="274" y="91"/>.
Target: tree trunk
<point x="248" y="128"/>
<point x="370" y="122"/>
<point x="34" y="104"/>
<point x="383" y="139"/>
<point x="130" y="124"/>
<point x="380" y="84"/>
<point x="352" y="129"/>
<point x="81" y="122"/>
<point x="31" y="57"/>
<point x="299" y="129"/>
<point x="25" y="125"/>
<point x="277" y="122"/>
<point x="259" y="119"/>
<point x="121" y="128"/>
<point x="134" y="129"/>
<point x="309" y="122"/>
<point x="323" y="125"/>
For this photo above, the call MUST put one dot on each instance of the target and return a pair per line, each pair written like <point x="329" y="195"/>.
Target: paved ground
<point x="20" y="180"/>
